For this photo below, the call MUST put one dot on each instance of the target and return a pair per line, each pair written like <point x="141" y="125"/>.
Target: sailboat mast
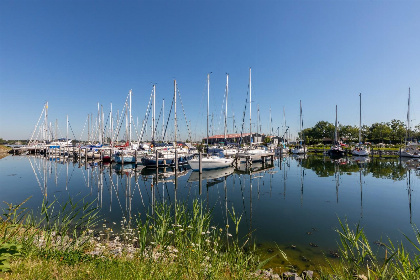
<point x="175" y="111"/>
<point x="102" y="125"/>
<point x="408" y="117"/>
<point x="227" y="91"/>
<point x="111" y="127"/>
<point x="208" y="101"/>
<point x="46" y="122"/>
<point x="250" y="123"/>
<point x="98" y="125"/>
<point x="88" y="125"/>
<point x="300" y="119"/>
<point x="67" y="129"/>
<point x="153" y="117"/>
<point x="335" y="130"/>
<point x="360" y="117"/>
<point x="258" y="118"/>
<point x="163" y="118"/>
<point x="129" y="124"/>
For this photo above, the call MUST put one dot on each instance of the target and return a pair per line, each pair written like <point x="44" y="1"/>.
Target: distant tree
<point x="307" y="135"/>
<point x="365" y="132"/>
<point x="398" y="130"/>
<point x="351" y="133"/>
<point x="380" y="132"/>
<point x="322" y="129"/>
<point x="416" y="132"/>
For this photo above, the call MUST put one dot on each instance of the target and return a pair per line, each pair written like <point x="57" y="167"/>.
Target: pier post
<point x="176" y="161"/>
<point x="135" y="156"/>
<point x="122" y="158"/>
<point x="199" y="162"/>
<point x="263" y="161"/>
<point x="200" y="184"/>
<point x="157" y="160"/>
<point x="86" y="155"/>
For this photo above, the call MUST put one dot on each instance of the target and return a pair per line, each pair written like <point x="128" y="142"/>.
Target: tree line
<point x="393" y="132"/>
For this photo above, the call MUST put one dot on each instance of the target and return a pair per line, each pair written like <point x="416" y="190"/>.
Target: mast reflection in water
<point x="296" y="201"/>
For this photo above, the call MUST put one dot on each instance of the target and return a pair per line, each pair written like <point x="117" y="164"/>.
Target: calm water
<point x="297" y="201"/>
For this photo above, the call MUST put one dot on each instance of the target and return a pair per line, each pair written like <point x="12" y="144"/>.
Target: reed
<point x="359" y="261"/>
<point x="170" y="242"/>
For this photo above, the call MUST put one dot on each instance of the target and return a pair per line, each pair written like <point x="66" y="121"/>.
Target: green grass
<point x="172" y="242"/>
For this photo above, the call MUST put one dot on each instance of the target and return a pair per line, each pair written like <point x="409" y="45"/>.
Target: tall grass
<point x="170" y="242"/>
<point x="358" y="260"/>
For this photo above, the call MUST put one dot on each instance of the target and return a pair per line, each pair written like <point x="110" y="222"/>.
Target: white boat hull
<point x="360" y="152"/>
<point x="209" y="163"/>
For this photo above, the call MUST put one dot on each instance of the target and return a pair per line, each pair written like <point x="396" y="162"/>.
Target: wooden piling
<point x="199" y="163"/>
<point x="176" y="161"/>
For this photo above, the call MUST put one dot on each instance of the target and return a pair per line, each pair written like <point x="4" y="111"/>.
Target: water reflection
<point x="279" y="203"/>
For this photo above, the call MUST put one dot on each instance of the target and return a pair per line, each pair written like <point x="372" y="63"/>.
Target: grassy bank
<point x="4" y="151"/>
<point x="173" y="242"/>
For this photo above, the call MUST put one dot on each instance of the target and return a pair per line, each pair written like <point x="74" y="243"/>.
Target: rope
<point x="145" y="118"/>
<point x="185" y="116"/>
<point x="167" y="122"/>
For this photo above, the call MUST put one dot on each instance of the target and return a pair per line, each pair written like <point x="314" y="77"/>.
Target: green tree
<point x="380" y="132"/>
<point x="323" y="129"/>
<point x="307" y="135"/>
<point x="351" y="133"/>
<point x="397" y="130"/>
<point x="416" y="132"/>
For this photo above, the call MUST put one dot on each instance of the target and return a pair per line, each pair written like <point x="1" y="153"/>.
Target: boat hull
<point x="210" y="163"/>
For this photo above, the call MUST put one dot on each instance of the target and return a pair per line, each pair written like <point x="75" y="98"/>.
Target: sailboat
<point x="167" y="155"/>
<point x="411" y="149"/>
<point x="255" y="153"/>
<point x="336" y="150"/>
<point x="299" y="149"/>
<point x="360" y="149"/>
<point x="127" y="154"/>
<point x="210" y="161"/>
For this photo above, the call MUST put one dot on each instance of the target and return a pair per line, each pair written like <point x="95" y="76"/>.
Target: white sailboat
<point x="256" y="153"/>
<point x="360" y="149"/>
<point x="411" y="149"/>
<point x="127" y="155"/>
<point x="336" y="150"/>
<point x="299" y="149"/>
<point x="210" y="161"/>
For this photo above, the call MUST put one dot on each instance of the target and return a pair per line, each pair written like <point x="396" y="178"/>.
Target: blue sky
<point x="75" y="54"/>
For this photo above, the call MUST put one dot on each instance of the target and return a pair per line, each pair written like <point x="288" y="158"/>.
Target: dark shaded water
<point x="296" y="202"/>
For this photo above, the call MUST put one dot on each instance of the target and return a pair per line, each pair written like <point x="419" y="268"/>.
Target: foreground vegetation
<point x="170" y="243"/>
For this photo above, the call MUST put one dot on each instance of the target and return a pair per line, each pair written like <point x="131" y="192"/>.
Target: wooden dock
<point x="248" y="159"/>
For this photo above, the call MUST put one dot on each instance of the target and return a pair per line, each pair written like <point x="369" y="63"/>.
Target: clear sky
<point x="75" y="54"/>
